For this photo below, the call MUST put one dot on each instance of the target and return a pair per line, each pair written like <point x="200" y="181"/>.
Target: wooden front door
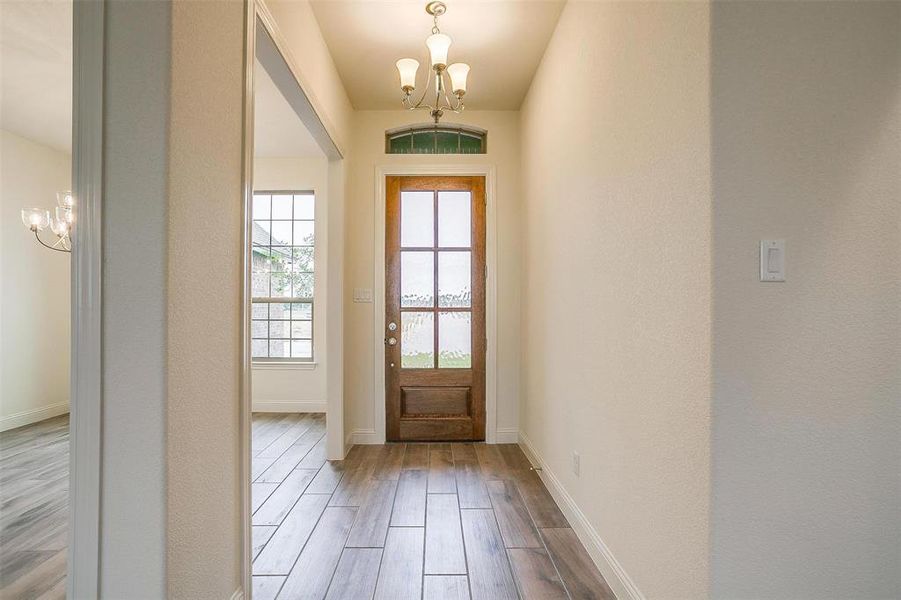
<point x="435" y="308"/>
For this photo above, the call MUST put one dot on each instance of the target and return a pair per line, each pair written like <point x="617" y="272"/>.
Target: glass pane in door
<point x="454" y="219"/>
<point x="417" y="219"/>
<point x="417" y="335"/>
<point x="455" y="340"/>
<point x="417" y="279"/>
<point x="454" y="280"/>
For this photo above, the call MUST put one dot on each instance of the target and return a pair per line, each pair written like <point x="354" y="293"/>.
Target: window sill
<point x="282" y="366"/>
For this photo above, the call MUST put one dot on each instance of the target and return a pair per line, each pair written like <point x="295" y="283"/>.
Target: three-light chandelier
<point x="438" y="44"/>
<point x="39" y="219"/>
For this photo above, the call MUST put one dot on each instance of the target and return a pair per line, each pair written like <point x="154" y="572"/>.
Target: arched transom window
<point x="429" y="138"/>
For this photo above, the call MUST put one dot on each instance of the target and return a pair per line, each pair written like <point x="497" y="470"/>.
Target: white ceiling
<point x="36" y="84"/>
<point x="36" y="70"/>
<point x="277" y="130"/>
<point x="502" y="40"/>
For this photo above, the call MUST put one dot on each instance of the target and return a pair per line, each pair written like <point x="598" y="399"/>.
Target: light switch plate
<point x="362" y="295"/>
<point x="772" y="260"/>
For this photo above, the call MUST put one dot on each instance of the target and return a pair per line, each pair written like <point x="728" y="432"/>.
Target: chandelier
<point x="38" y="219"/>
<point x="438" y="44"/>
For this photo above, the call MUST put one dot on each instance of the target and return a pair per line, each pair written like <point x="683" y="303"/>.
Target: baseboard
<point x="238" y="595"/>
<point x="506" y="436"/>
<point x="617" y="578"/>
<point x="365" y="436"/>
<point x="281" y="406"/>
<point x="348" y="442"/>
<point x="27" y="417"/>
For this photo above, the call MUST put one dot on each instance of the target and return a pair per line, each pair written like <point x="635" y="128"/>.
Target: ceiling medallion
<point x="438" y="44"/>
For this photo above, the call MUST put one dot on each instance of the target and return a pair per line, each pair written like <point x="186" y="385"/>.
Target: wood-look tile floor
<point x="397" y="521"/>
<point x="34" y="501"/>
<point x="406" y="521"/>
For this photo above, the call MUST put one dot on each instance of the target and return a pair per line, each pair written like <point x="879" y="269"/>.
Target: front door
<point x="435" y="308"/>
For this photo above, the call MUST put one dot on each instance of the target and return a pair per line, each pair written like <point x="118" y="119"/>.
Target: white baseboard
<point x="280" y="406"/>
<point x="238" y="595"/>
<point x="617" y="578"/>
<point x="348" y="442"/>
<point x="364" y="436"/>
<point x="27" y="417"/>
<point x="506" y="436"/>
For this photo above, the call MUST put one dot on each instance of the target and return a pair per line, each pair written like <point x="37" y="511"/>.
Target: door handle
<point x="391" y="341"/>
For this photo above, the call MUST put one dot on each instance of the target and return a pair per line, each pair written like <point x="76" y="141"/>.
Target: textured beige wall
<point x="204" y="300"/>
<point x="34" y="287"/>
<point x="616" y="290"/>
<point x="135" y="180"/>
<point x="368" y="144"/>
<point x="319" y="78"/>
<point x="806" y="130"/>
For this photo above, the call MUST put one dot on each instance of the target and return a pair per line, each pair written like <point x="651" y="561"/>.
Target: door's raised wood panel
<point x="450" y="401"/>
<point x="447" y="428"/>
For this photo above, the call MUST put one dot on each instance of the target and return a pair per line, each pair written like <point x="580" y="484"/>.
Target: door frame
<point x="86" y="389"/>
<point x="379" y="434"/>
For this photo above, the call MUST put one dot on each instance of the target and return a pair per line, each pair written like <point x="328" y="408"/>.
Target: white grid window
<point x="282" y="276"/>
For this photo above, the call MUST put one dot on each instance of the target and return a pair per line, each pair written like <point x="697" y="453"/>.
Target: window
<point x="282" y="276"/>
<point x="429" y="138"/>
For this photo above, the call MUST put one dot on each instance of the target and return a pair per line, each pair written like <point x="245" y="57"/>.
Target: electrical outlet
<point x="577" y="466"/>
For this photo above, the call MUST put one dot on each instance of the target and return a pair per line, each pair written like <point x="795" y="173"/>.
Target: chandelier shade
<point x="36" y="218"/>
<point x="407" y="68"/>
<point x="458" y="73"/>
<point x="65" y="199"/>
<point x="438" y="44"/>
<point x="60" y="226"/>
<point x="64" y="214"/>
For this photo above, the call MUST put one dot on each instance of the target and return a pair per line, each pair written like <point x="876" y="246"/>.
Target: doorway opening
<point x="293" y="408"/>
<point x="36" y="213"/>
